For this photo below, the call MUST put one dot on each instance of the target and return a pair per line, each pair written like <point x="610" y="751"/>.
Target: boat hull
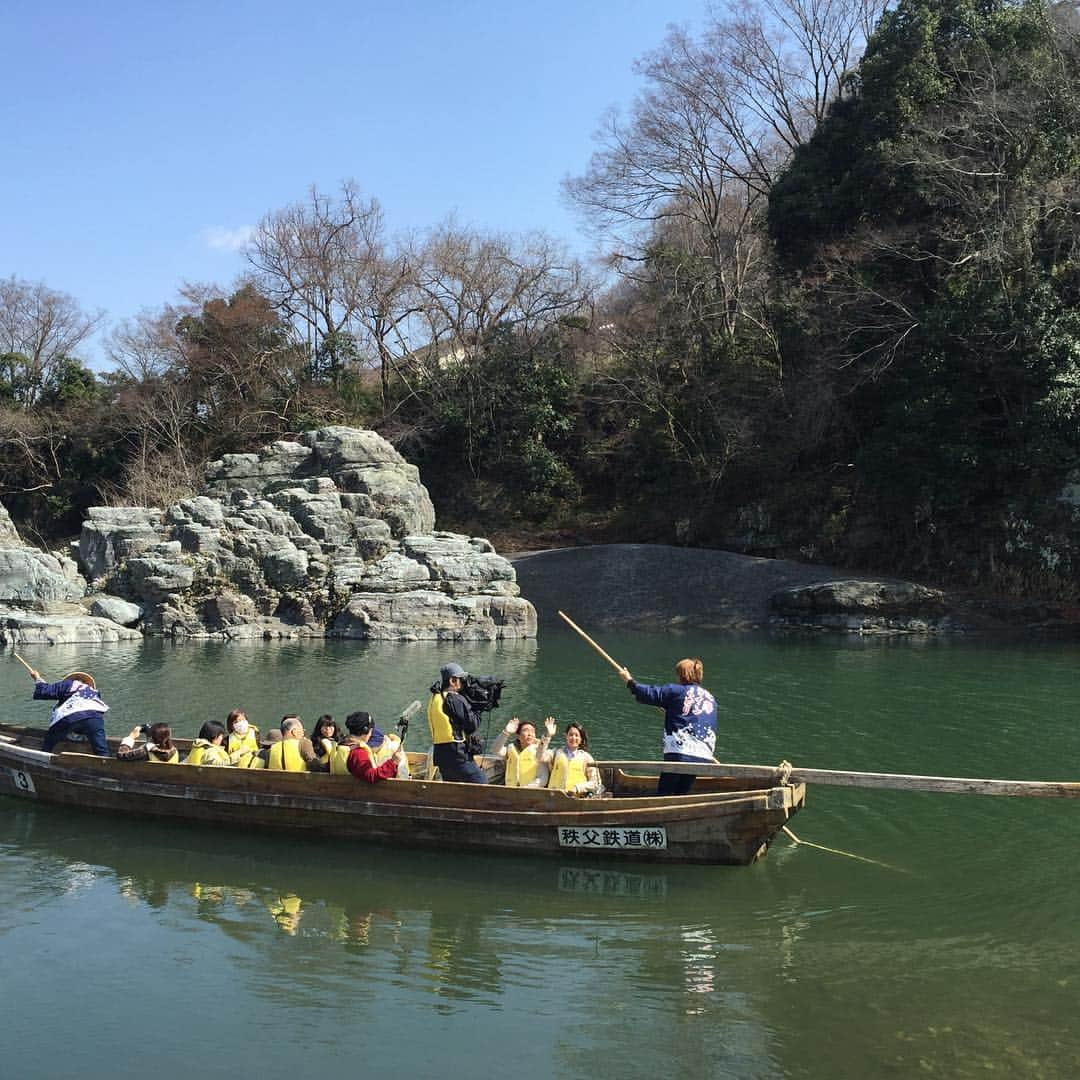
<point x="718" y="826"/>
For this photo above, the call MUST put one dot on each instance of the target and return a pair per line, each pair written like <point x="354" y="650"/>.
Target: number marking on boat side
<point x="23" y="781"/>
<point x="644" y="837"/>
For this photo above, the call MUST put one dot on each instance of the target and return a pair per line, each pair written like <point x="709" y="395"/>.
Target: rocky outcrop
<point x="33" y="578"/>
<point x="862" y="607"/>
<point x="653" y="587"/>
<point x="330" y="534"/>
<point x="9" y="537"/>
<point x="68" y="626"/>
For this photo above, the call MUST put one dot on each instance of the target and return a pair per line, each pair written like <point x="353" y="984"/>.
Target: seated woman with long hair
<point x="573" y="769"/>
<point x="325" y="738"/>
<point x="158" y="748"/>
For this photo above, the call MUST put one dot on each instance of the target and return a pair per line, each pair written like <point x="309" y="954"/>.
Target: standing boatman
<point x="689" y="720"/>
<point x="79" y="710"/>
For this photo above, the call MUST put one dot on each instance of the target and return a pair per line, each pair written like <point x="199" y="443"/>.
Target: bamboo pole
<point x="570" y="622"/>
<point x="31" y="671"/>
<point x="838" y="778"/>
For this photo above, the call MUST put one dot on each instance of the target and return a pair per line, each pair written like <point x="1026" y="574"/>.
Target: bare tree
<point x="467" y="283"/>
<point x="696" y="158"/>
<point x="42" y="327"/>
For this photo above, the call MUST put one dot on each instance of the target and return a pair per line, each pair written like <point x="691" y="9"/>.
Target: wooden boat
<point x="725" y="820"/>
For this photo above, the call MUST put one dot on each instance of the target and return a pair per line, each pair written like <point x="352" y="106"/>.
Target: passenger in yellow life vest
<point x="241" y="739"/>
<point x="325" y="738"/>
<point x="207" y="749"/>
<point x="363" y="761"/>
<point x="527" y="758"/>
<point x="573" y="769"/>
<point x="158" y="748"/>
<point x="293" y="752"/>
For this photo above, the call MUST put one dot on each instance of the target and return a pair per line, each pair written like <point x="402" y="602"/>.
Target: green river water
<point x="133" y="948"/>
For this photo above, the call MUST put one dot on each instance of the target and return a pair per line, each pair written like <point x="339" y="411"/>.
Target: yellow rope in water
<point x="837" y="851"/>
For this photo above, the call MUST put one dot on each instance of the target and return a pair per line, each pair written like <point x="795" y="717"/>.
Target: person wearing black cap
<point x="361" y="761"/>
<point x="79" y="711"/>
<point x="452" y="719"/>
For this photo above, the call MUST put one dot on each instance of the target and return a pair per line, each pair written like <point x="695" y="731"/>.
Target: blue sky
<point x="141" y="139"/>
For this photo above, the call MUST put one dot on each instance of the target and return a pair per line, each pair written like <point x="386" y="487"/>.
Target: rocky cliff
<point x="333" y="534"/>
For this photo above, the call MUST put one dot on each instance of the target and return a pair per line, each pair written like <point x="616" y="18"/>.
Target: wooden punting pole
<point x="1046" y="789"/>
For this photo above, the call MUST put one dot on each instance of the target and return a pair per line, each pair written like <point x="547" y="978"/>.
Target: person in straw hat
<point x="79" y="710"/>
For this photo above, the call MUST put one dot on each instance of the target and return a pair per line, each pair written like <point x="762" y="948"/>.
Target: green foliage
<point x="932" y="222"/>
<point x="71" y="386"/>
<point x="502" y="421"/>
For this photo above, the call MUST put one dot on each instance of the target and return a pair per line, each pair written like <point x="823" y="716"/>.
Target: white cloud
<point x="222" y="238"/>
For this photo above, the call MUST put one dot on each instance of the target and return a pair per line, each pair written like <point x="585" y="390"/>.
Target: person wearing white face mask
<point x="242" y="738"/>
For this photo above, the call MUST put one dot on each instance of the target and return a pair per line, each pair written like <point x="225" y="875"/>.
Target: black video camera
<point x="482" y="692"/>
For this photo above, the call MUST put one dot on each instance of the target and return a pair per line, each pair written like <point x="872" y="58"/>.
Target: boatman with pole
<point x="79" y="710"/>
<point x="689" y="720"/>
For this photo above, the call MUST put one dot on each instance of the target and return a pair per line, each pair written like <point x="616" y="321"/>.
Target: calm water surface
<point x="133" y="948"/>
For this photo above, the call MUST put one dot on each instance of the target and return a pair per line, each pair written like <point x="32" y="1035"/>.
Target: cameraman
<point x="452" y="720"/>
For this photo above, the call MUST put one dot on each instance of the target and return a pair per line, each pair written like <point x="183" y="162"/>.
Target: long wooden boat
<point x="725" y="820"/>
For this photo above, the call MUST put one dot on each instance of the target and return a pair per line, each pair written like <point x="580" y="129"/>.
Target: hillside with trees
<point x="837" y="318"/>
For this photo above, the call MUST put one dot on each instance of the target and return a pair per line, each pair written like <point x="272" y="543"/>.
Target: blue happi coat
<point x="689" y="717"/>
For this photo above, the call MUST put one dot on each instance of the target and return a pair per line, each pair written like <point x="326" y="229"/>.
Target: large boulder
<point x="115" y="610"/>
<point x="282" y="540"/>
<point x="862" y="606"/>
<point x="422" y="615"/>
<point x="112" y="534"/>
<point x="31" y="577"/>
<point x="21" y="627"/>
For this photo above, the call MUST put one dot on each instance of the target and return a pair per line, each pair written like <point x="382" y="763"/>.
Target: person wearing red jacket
<point x="361" y="761"/>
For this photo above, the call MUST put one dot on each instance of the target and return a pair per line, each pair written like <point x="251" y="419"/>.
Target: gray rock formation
<point x="862" y="606"/>
<point x="115" y="610"/>
<point x="32" y="578"/>
<point x="68" y="627"/>
<point x="331" y="534"/>
<point x="655" y="587"/>
<point x="9" y="537"/>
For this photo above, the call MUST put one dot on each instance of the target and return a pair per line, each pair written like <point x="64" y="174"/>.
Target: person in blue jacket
<point x="689" y="720"/>
<point x="79" y="710"/>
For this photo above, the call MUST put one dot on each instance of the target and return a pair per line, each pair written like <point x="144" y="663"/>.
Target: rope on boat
<point x="837" y="851"/>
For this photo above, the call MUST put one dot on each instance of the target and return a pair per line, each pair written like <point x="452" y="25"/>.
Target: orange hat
<point x="83" y="678"/>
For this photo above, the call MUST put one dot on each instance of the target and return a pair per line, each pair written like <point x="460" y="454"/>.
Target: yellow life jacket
<point x="438" y="721"/>
<point x="325" y="750"/>
<point x="339" y="762"/>
<point x="249" y="744"/>
<point x="285" y="756"/>
<point x="204" y="753"/>
<point x="163" y="757"/>
<point x="566" y="772"/>
<point x="521" y="765"/>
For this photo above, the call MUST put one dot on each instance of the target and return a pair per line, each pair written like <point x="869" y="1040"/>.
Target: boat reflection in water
<point x="436" y="937"/>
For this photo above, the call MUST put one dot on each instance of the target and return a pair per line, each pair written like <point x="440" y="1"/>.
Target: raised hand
<point x="550" y="726"/>
<point x="512" y="725"/>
